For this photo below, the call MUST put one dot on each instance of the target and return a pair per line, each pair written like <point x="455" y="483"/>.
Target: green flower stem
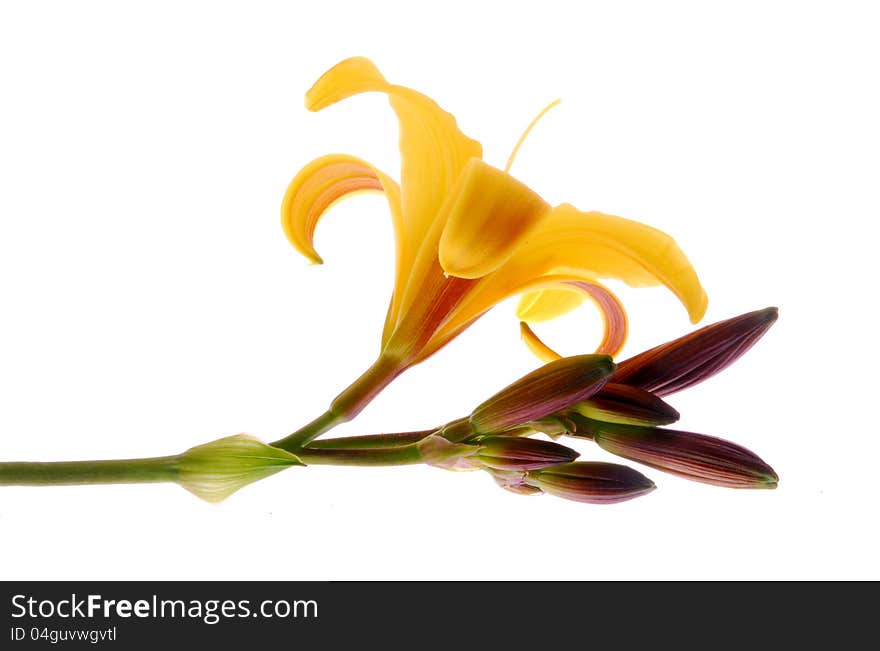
<point x="370" y="441"/>
<point x="371" y="450"/>
<point x="347" y="404"/>
<point x="455" y="431"/>
<point x="118" y="471"/>
<point x="166" y="469"/>
<point x="398" y="456"/>
<point x="308" y="433"/>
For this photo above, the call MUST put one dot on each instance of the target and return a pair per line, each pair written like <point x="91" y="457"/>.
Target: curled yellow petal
<point x="605" y="246"/>
<point x="322" y="183"/>
<point x="346" y="78"/>
<point x="433" y="149"/>
<point x="488" y="218"/>
<point x="537" y="347"/>
<point x="433" y="153"/>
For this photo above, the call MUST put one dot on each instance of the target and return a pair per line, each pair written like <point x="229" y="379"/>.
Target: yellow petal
<point x="547" y="304"/>
<point x="486" y="215"/>
<point x="433" y="152"/>
<point x="322" y="183"/>
<point x="605" y="246"/>
<point x="488" y="218"/>
<point x="581" y="246"/>
<point x="346" y="78"/>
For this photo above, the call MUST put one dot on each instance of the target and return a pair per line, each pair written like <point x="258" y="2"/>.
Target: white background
<point x="149" y="300"/>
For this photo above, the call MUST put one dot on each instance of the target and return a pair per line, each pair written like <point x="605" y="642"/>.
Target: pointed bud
<point x="621" y="403"/>
<point x="215" y="470"/>
<point x="515" y="453"/>
<point x="439" y="452"/>
<point x="681" y="363"/>
<point x="692" y="456"/>
<point x="593" y="482"/>
<point x="549" y="389"/>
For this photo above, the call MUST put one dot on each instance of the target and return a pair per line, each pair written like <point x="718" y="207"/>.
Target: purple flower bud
<point x="593" y="482"/>
<point x="693" y="456"/>
<point x="515" y="453"/>
<point x="621" y="403"/>
<point x="685" y="361"/>
<point x="547" y="390"/>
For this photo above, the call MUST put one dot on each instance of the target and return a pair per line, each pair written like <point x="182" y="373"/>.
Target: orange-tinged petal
<point x="610" y="308"/>
<point x="489" y="217"/>
<point x="433" y="153"/>
<point x="496" y="287"/>
<point x="322" y="183"/>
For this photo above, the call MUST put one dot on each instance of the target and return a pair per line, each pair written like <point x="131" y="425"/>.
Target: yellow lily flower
<point x="468" y="236"/>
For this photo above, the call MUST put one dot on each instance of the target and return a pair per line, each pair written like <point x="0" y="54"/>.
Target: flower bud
<point x="592" y="482"/>
<point x="685" y="361"/>
<point x="520" y="453"/>
<point x="547" y="390"/>
<point x="692" y="456"/>
<point x="215" y="470"/>
<point x="621" y="403"/>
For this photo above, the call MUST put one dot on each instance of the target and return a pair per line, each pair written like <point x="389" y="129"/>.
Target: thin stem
<point x="362" y="391"/>
<point x="347" y="404"/>
<point x="370" y="441"/>
<point x="455" y="431"/>
<point x="308" y="433"/>
<point x="397" y="456"/>
<point x="117" y="471"/>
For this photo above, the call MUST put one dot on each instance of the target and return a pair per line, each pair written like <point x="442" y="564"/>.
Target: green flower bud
<point x="215" y="470"/>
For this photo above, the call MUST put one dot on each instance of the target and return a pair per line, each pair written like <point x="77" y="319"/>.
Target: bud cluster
<point x="620" y="408"/>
